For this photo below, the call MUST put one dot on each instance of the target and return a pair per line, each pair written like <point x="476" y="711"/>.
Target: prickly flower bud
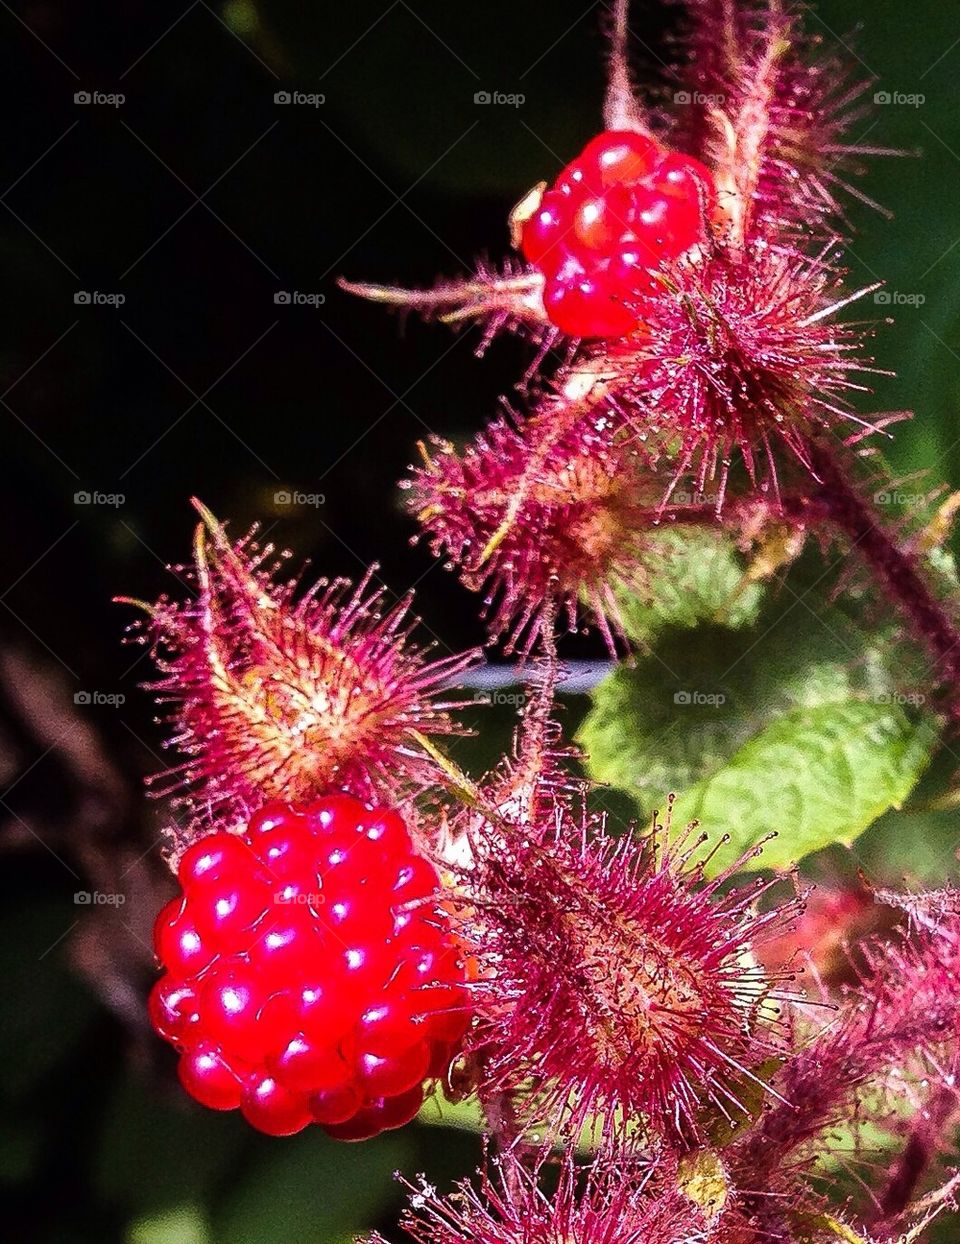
<point x="745" y="354"/>
<point x="510" y="1204"/>
<point x="616" y="981"/>
<point x="279" y="692"/>
<point x="545" y="514"/>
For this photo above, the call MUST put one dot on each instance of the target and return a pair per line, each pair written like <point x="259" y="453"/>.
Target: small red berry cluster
<point x="612" y="217"/>
<point x="311" y="974"/>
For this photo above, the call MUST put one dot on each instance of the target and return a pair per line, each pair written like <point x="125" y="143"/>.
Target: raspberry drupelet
<point x="625" y="206"/>
<point x="311" y="975"/>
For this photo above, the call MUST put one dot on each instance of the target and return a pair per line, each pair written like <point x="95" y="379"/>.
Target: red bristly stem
<point x="839" y="502"/>
<point x="925" y="1141"/>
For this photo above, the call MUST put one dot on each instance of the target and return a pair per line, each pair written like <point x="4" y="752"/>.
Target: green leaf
<point x="702" y="1179"/>
<point x="697" y="577"/>
<point x="817" y="1227"/>
<point x="468" y="1116"/>
<point x="721" y="1127"/>
<point x="864" y="1140"/>
<point x="814" y="777"/>
<point x="308" y="1189"/>
<point x="641" y="737"/>
<point x="916" y="849"/>
<point x="680" y="713"/>
<point x="801" y="723"/>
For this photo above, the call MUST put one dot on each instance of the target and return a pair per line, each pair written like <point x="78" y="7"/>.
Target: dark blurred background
<point x="156" y="201"/>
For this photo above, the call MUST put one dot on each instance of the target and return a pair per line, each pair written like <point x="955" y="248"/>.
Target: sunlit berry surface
<point x="310" y="974"/>
<point x="602" y="231"/>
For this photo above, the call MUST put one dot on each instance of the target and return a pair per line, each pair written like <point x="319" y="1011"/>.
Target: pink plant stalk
<point x="903" y="1017"/>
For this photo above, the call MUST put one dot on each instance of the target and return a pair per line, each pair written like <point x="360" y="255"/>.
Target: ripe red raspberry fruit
<point x="311" y="973"/>
<point x="625" y="205"/>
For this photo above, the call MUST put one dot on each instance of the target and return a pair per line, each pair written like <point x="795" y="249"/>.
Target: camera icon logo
<point x="83" y="897"/>
<point x="682" y="697"/>
<point x="82" y="97"/>
<point x="82" y="498"/>
<point x="82" y="298"/>
<point x="681" y="97"/>
<point x="882" y="298"/>
<point x="282" y="97"/>
<point x="282" y="498"/>
<point x="282" y="298"/>
<point x="482" y="97"/>
<point x="82" y="697"/>
<point x="882" y="97"/>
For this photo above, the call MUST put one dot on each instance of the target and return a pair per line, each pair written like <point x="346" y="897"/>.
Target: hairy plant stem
<point x="927" y="1139"/>
<point x="504" y="1130"/>
<point x="621" y="110"/>
<point x="838" y="501"/>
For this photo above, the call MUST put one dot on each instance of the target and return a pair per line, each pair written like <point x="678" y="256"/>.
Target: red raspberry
<point x="311" y="974"/>
<point x="612" y="217"/>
